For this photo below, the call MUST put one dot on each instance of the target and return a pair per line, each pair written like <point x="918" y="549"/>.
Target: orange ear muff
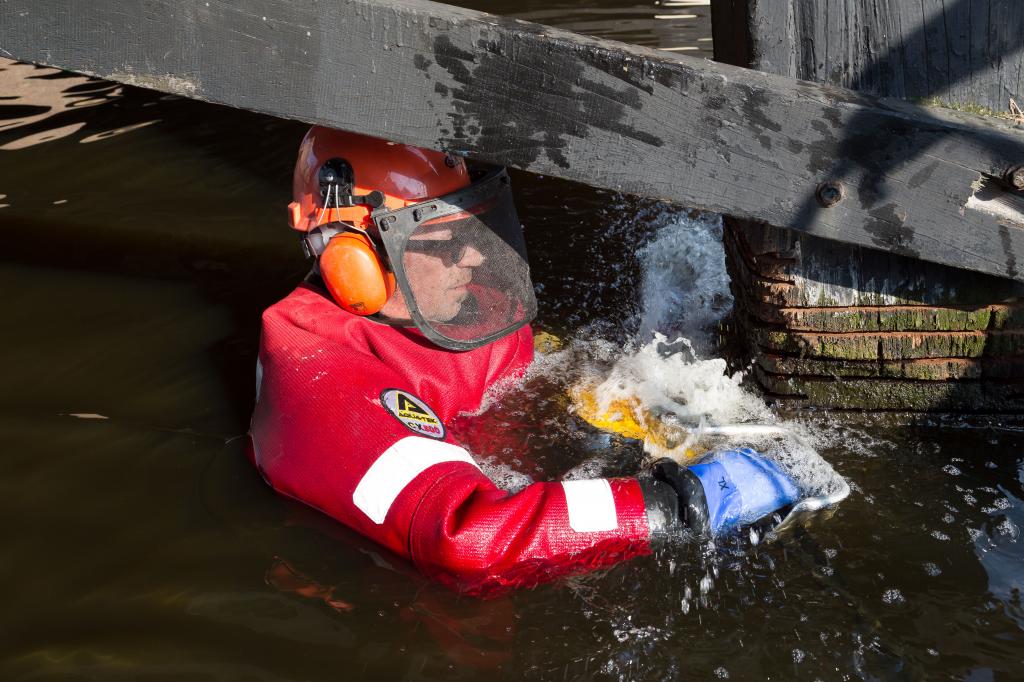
<point x="355" y="275"/>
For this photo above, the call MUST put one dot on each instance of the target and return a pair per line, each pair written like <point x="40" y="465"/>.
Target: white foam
<point x="504" y="476"/>
<point x="679" y="388"/>
<point x="893" y="597"/>
<point x="588" y="469"/>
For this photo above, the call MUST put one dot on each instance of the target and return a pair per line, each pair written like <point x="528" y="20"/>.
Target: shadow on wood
<point x="607" y="114"/>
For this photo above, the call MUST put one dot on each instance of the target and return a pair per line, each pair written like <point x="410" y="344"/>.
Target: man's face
<point x="439" y="268"/>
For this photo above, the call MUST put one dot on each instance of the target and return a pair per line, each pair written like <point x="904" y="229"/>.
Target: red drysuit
<point x="350" y="419"/>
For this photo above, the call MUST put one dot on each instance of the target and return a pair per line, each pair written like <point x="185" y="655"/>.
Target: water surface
<point x="143" y="236"/>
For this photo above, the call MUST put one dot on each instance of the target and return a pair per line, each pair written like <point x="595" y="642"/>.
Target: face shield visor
<point x="460" y="265"/>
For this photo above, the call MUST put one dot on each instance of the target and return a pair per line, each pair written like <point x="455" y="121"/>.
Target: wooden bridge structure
<point x="825" y="165"/>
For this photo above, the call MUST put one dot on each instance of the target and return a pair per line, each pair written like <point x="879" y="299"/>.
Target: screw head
<point x="830" y="193"/>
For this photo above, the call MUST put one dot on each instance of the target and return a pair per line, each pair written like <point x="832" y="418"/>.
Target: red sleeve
<point x="322" y="435"/>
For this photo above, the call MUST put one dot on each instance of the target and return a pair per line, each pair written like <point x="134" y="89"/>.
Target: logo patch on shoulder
<point x="412" y="412"/>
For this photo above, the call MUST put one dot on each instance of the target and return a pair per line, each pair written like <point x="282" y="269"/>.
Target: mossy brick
<point x="884" y="319"/>
<point x="929" y="369"/>
<point x="847" y="328"/>
<point x="1007" y="317"/>
<point x="881" y="394"/>
<point x="852" y="347"/>
<point x="888" y="345"/>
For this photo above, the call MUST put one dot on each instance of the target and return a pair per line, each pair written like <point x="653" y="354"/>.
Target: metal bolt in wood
<point x="830" y="193"/>
<point x="1015" y="177"/>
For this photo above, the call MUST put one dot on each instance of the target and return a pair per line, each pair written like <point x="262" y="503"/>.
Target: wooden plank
<point x="888" y="77"/>
<point x="1006" y="46"/>
<point x="729" y="32"/>
<point x="611" y="115"/>
<point x="962" y="52"/>
<point x="958" y="22"/>
<point x="931" y="31"/>
<point x="786" y="269"/>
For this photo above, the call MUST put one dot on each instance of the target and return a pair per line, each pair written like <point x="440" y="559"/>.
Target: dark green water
<point x="139" y="543"/>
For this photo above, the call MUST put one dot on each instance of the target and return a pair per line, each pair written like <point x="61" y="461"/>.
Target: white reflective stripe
<point x="397" y="467"/>
<point x="591" y="505"/>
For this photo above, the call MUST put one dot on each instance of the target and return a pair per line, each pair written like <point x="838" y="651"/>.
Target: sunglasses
<point x="453" y="250"/>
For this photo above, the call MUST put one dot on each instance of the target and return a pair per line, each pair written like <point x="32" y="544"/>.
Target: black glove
<point x="674" y="498"/>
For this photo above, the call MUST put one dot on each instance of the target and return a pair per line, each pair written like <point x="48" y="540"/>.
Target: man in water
<point x="420" y="300"/>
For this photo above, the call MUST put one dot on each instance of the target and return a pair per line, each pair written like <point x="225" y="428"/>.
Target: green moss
<point x="893" y="347"/>
<point x="869" y="394"/>
<point x="969" y="108"/>
<point x="1007" y="318"/>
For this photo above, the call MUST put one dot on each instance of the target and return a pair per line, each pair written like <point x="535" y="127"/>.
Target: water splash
<point x="685" y="290"/>
<point x="893" y="597"/>
<point x="667" y="387"/>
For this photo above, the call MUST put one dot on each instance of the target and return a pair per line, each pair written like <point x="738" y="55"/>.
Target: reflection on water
<point x="141" y="544"/>
<point x="682" y="26"/>
<point x="35" y="102"/>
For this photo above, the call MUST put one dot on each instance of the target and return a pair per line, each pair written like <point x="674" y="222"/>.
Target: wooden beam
<point x="548" y="101"/>
<point x="967" y="53"/>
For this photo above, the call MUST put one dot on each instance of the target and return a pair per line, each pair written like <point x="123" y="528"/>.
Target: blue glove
<point x="736" y="487"/>
<point x="742" y="486"/>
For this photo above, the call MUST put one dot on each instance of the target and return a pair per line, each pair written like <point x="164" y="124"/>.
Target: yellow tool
<point x="627" y="417"/>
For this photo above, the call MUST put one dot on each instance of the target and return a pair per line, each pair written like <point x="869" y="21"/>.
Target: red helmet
<point x="407" y="233"/>
<point x="404" y="175"/>
<point x="342" y="177"/>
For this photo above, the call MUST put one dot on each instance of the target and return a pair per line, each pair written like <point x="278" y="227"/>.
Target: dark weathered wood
<point x="548" y="101"/>
<point x="729" y="32"/>
<point x="786" y="269"/>
<point x="962" y="52"/>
